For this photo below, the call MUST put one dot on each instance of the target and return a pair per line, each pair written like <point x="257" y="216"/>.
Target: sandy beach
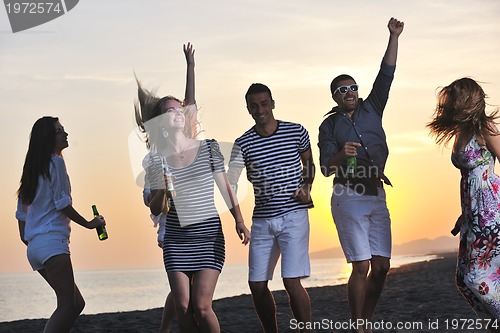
<point x="422" y="297"/>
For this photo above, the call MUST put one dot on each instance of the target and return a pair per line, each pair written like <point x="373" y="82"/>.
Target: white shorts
<point x="45" y="246"/>
<point x="287" y="235"/>
<point x="363" y="223"/>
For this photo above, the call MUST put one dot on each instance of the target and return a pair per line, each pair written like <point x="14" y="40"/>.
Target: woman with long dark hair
<point x="44" y="212"/>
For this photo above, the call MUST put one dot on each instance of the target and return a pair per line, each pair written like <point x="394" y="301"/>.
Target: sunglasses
<point x="343" y="89"/>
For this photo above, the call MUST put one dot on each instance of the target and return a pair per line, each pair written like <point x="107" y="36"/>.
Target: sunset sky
<point x="80" y="68"/>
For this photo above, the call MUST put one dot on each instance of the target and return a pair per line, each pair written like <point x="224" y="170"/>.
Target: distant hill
<point x="418" y="247"/>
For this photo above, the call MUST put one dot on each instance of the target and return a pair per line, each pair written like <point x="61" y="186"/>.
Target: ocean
<point x="26" y="295"/>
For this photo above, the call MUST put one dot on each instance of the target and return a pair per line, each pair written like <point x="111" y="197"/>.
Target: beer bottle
<point x="101" y="231"/>
<point x="170" y="177"/>
<point x="351" y="166"/>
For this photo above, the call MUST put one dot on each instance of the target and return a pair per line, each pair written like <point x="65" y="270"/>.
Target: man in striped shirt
<point x="278" y="160"/>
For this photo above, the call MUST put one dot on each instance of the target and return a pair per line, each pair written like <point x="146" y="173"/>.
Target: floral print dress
<point x="478" y="266"/>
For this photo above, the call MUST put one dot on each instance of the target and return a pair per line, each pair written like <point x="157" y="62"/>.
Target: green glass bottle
<point x="351" y="167"/>
<point x="101" y="231"/>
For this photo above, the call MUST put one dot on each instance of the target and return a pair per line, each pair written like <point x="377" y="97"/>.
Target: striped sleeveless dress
<point x="193" y="238"/>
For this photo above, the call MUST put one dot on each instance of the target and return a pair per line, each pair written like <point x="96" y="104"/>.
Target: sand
<point x="421" y="296"/>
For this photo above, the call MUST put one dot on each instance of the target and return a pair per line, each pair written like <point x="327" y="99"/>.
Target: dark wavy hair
<point x="461" y="108"/>
<point x="37" y="162"/>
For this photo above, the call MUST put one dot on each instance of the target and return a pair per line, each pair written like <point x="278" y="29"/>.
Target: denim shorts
<point x="287" y="236"/>
<point x="45" y="246"/>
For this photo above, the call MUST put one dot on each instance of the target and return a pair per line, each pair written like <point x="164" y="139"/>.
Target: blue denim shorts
<point x="45" y="246"/>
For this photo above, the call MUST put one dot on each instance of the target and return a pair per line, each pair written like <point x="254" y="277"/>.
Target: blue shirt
<point x="365" y="127"/>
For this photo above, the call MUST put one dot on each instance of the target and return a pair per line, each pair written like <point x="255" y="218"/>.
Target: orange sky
<point x="80" y="67"/>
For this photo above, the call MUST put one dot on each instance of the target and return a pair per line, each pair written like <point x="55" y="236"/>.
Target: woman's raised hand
<point x="189" y="53"/>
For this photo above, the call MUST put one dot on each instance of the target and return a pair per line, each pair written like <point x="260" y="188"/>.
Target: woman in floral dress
<point x="460" y="114"/>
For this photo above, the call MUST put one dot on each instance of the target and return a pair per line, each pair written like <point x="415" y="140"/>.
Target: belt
<point x="364" y="186"/>
<point x="354" y="181"/>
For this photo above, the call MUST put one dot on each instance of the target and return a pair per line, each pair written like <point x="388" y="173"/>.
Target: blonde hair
<point x="461" y="108"/>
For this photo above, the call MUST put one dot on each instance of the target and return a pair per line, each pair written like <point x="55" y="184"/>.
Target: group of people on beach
<point x="180" y="173"/>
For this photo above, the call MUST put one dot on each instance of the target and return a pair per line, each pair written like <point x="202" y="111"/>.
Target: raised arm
<point x="395" y="29"/>
<point x="189" y="97"/>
